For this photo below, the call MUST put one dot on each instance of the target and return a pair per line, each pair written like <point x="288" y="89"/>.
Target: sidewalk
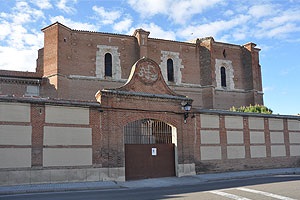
<point x="156" y="182"/>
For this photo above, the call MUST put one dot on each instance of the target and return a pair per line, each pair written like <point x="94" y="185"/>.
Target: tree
<point x="252" y="109"/>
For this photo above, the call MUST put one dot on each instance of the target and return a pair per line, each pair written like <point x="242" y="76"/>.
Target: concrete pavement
<point x="146" y="183"/>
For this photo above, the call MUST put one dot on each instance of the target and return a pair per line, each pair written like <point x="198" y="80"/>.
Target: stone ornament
<point x="147" y="73"/>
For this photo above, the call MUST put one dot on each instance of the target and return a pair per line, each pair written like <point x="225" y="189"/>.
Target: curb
<point x="146" y="183"/>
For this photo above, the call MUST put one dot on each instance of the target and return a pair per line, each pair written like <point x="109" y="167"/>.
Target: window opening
<point x="170" y="70"/>
<point x="223" y="77"/>
<point x="108" y="64"/>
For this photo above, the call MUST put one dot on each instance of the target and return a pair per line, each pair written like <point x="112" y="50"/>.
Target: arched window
<point x="170" y="70"/>
<point x="108" y="64"/>
<point x="223" y="77"/>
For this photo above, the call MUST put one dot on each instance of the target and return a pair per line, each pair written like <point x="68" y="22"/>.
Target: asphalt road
<point x="284" y="187"/>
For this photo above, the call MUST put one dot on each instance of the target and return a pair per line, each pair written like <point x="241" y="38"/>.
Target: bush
<point x="252" y="109"/>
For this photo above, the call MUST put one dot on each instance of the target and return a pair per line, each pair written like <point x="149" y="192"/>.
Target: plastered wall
<point x="42" y="143"/>
<point x="247" y="141"/>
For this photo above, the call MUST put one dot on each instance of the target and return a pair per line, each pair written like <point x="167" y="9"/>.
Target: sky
<point x="274" y="25"/>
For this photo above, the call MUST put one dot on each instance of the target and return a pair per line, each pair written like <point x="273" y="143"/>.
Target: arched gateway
<point x="149" y="149"/>
<point x="140" y="113"/>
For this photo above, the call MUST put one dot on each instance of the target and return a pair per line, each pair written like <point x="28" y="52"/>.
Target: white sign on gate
<point x="154" y="152"/>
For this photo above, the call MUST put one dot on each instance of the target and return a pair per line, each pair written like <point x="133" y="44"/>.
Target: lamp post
<point x="186" y="107"/>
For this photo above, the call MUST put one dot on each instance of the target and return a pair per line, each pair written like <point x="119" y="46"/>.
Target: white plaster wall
<point x="256" y="123"/>
<point x="294" y="137"/>
<point x="278" y="150"/>
<point x="294" y="125"/>
<point x="15" y="135"/>
<point x="275" y="124"/>
<point x="209" y="121"/>
<point x="67" y="136"/>
<point x="116" y="64"/>
<point x="210" y="137"/>
<point x="15" y="157"/>
<point x="295" y="150"/>
<point x="276" y="137"/>
<point x="211" y="153"/>
<point x="165" y="55"/>
<point x="66" y="115"/>
<point x="258" y="151"/>
<point x="234" y="152"/>
<point x="14" y="112"/>
<point x="235" y="137"/>
<point x="234" y="122"/>
<point x="257" y="137"/>
<point x="67" y="156"/>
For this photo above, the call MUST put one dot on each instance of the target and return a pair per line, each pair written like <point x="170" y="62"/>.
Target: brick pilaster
<point x="223" y="137"/>
<point x="37" y="123"/>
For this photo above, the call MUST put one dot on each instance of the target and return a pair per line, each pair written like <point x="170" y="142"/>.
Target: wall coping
<point x="227" y="112"/>
<point x="148" y="95"/>
<point x="58" y="102"/>
<point x="63" y="102"/>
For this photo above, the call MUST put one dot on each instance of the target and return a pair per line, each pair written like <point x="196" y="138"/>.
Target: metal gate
<point x="149" y="151"/>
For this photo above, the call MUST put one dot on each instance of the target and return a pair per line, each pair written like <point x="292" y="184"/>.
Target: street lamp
<point x="186" y="107"/>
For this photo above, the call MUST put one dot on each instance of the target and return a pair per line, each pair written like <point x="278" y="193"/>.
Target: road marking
<point x="276" y="196"/>
<point x="230" y="196"/>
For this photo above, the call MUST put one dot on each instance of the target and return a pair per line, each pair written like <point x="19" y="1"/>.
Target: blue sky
<point x="274" y="25"/>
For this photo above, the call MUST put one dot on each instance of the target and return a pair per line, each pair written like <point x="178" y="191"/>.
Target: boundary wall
<point x="43" y="141"/>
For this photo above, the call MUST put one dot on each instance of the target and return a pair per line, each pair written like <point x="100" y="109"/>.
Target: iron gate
<point x="149" y="151"/>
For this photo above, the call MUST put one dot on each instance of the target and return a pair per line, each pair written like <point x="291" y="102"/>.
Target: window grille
<point x="147" y="131"/>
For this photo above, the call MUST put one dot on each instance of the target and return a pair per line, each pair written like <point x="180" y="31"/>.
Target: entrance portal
<point x="149" y="150"/>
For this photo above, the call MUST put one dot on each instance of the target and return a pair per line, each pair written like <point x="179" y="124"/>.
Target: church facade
<point x="114" y="107"/>
<point x="75" y="64"/>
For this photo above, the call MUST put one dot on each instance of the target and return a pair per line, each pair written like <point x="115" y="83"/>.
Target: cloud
<point x="73" y="24"/>
<point x="42" y="4"/>
<point x="180" y="11"/>
<point x="123" y="25"/>
<point x="149" y="8"/>
<point x="23" y="13"/>
<point x="263" y="10"/>
<point x="214" y="28"/>
<point x="107" y="17"/>
<point x="14" y="26"/>
<point x="25" y="62"/>
<point x="279" y="26"/>
<point x="5" y="30"/>
<point x="287" y="16"/>
<point x="155" y="31"/>
<point x="65" y="6"/>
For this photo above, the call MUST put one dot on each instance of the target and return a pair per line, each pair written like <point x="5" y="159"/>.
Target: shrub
<point x="252" y="109"/>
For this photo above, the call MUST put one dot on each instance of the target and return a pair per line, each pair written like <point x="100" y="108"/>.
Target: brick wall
<point x="44" y="141"/>
<point x="233" y="141"/>
<point x="71" y="54"/>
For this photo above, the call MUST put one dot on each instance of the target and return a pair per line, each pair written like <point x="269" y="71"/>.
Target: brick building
<point x="75" y="64"/>
<point x="112" y="107"/>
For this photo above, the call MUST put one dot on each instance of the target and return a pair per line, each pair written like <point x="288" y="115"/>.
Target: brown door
<point x="144" y="161"/>
<point x="149" y="152"/>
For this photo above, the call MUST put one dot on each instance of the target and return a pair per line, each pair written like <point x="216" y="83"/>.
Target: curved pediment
<point x="146" y="77"/>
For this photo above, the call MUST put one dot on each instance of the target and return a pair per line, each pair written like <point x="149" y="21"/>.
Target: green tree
<point x="252" y="109"/>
